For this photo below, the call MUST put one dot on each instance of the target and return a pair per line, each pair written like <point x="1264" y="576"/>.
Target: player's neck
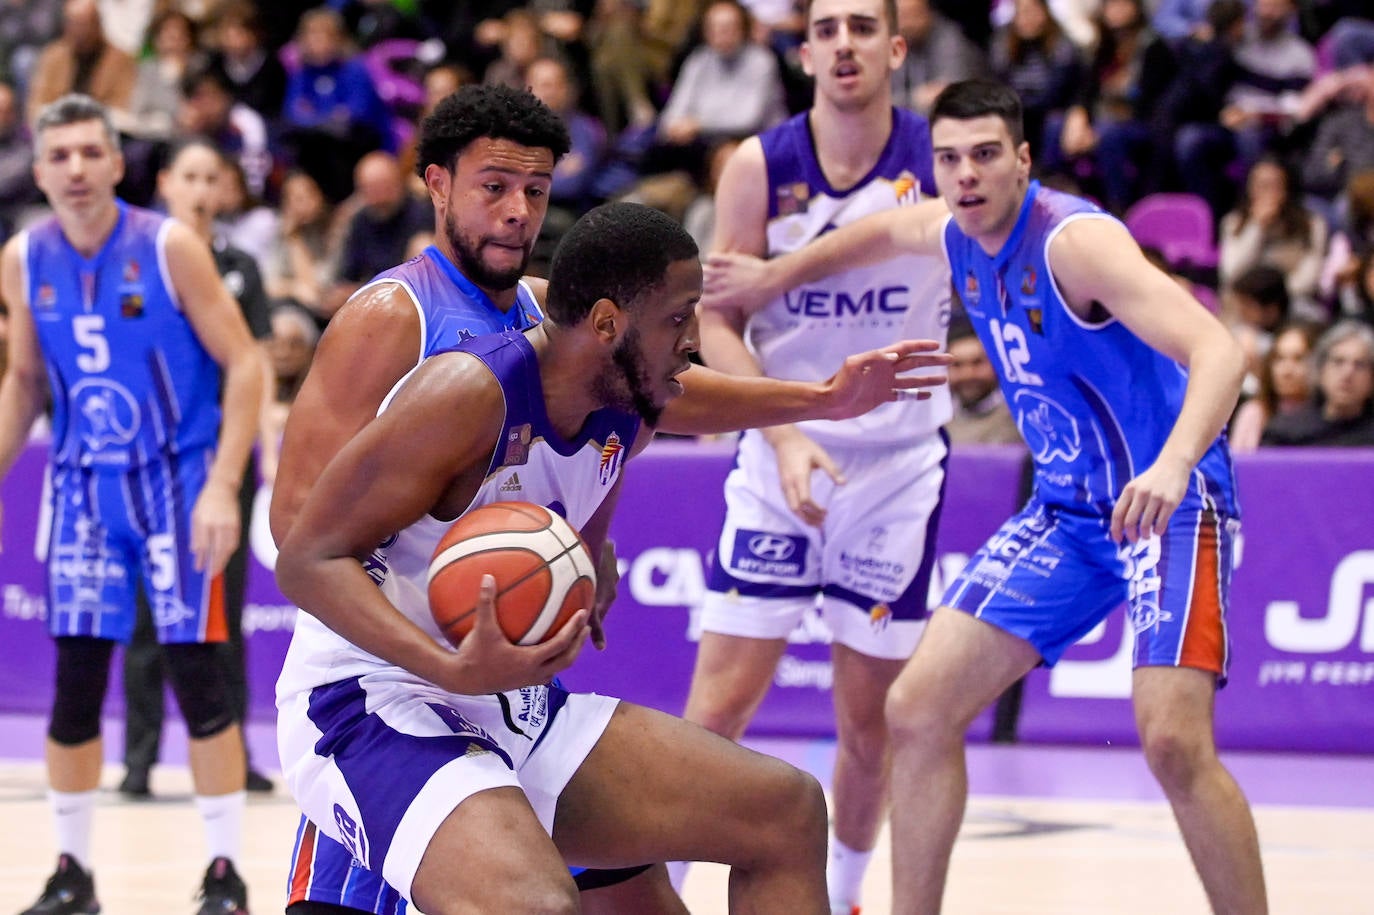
<point x="563" y="361"/>
<point x="501" y="298"/>
<point x="849" y="143"/>
<point x="88" y="232"/>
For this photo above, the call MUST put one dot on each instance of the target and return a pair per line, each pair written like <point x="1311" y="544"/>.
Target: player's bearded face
<point x="474" y="267"/>
<point x="632" y="392"/>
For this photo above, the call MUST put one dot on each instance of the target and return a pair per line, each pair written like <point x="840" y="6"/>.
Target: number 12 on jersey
<point x="1013" y="353"/>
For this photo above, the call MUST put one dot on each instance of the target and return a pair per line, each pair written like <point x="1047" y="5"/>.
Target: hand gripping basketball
<point x="543" y="570"/>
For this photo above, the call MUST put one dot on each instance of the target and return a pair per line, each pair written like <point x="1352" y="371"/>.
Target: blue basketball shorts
<point x="1049" y="576"/>
<point x="111" y="531"/>
<point x="869" y="563"/>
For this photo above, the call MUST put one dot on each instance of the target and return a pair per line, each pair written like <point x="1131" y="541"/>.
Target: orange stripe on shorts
<point x="1204" y="641"/>
<point x="305" y="857"/>
<point x="216" y="617"/>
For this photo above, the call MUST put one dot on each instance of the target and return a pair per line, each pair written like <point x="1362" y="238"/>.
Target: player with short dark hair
<point x="1122" y="384"/>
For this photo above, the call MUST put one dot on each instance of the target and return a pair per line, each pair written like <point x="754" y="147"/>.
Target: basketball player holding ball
<point x="487" y="154"/>
<point x="487" y="796"/>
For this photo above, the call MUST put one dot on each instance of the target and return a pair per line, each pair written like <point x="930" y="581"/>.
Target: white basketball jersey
<point x="531" y="463"/>
<point x="806" y="334"/>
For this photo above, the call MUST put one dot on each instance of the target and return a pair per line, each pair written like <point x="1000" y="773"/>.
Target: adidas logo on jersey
<point x="512" y="484"/>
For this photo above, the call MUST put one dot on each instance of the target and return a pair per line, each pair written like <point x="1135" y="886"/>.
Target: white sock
<point x="677" y="874"/>
<point x="223" y="816"/>
<point x="844" y="874"/>
<point x="72" y="812"/>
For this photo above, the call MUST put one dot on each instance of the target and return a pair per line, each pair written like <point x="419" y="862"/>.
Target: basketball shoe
<point x="222" y="891"/>
<point x="70" y="891"/>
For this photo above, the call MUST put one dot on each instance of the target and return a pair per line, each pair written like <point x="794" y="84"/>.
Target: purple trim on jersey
<point x="790" y="154"/>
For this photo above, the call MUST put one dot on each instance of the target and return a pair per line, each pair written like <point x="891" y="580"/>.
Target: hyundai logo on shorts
<point x="767" y="553"/>
<point x="772" y="547"/>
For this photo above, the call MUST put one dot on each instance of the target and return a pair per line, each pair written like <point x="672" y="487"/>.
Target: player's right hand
<point x="738" y="282"/>
<point x="488" y="662"/>
<point x="798" y="458"/>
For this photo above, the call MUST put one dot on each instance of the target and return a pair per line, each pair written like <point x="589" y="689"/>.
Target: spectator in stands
<point x="1129" y="72"/>
<point x="332" y="114"/>
<point x="255" y="76"/>
<point x="17" y="190"/>
<point x="1176" y="21"/>
<point x="1285" y="384"/>
<point x="305" y="262"/>
<point x="521" y="44"/>
<point x="156" y="99"/>
<point x="81" y="60"/>
<point x="1276" y="64"/>
<point x="244" y="219"/>
<point x="1254" y="307"/>
<point x="1270" y="225"/>
<point x="26" y="27"/>
<point x="729" y="88"/>
<point x="1344" y="145"/>
<point x="632" y="50"/>
<point x="291" y="346"/>
<point x="208" y="109"/>
<point x="981" y="416"/>
<point x="1034" y="56"/>
<point x="551" y="81"/>
<point x="937" y="54"/>
<point x="1351" y="240"/>
<point x="378" y="232"/>
<point x="1356" y="296"/>
<point x="1342" y="410"/>
<point x="1187" y="125"/>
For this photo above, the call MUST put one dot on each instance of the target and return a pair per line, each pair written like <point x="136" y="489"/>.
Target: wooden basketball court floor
<point x="1049" y="831"/>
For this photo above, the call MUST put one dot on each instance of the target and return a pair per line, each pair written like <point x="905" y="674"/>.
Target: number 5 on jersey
<point x="89" y="331"/>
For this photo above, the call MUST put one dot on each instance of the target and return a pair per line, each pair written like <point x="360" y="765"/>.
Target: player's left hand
<point x="607" y="582"/>
<point x="1149" y="500"/>
<point x="798" y="458"/>
<point x="215" y="526"/>
<point x="876" y="377"/>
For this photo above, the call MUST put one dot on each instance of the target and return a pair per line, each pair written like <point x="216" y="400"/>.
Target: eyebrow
<point x="853" y="17"/>
<point x="519" y="173"/>
<point x="980" y="145"/>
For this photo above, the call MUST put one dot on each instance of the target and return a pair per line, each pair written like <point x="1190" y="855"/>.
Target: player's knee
<point x="801" y="805"/>
<point x="201" y="684"/>
<point x="1175" y="757"/>
<point x="912" y="719"/>
<point x="83" y="672"/>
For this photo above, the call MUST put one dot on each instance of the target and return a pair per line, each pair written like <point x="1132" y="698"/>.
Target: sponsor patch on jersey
<point x="47" y="296"/>
<point x="517" y="445"/>
<point x="971" y="293"/>
<point x="793" y="198"/>
<point x="1036" y="318"/>
<point x="131" y="305"/>
<point x="611" y="454"/>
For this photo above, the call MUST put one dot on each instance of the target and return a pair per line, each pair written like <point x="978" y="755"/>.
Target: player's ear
<point x="437" y="180"/>
<point x="897" y="53"/>
<point x="607" y="320"/>
<point x="804" y="55"/>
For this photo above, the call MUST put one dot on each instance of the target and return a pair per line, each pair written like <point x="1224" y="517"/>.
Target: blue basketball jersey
<point x="1094" y="402"/>
<point x="131" y="383"/>
<point x="452" y="309"/>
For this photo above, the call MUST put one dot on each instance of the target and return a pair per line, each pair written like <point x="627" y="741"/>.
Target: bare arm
<point x="219" y="325"/>
<point x="1097" y="260"/>
<point x="747" y="283"/>
<point x="371" y="343"/>
<point x="25" y="384"/>
<point x="392" y="473"/>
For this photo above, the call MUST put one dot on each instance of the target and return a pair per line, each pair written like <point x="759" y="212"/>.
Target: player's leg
<point x="730" y="679"/>
<point x="961" y="666"/>
<point x="642" y="891"/>
<point x="1173" y="708"/>
<point x="143" y="703"/>
<point x="657" y="788"/>
<point x="1179" y="585"/>
<point x="880" y="551"/>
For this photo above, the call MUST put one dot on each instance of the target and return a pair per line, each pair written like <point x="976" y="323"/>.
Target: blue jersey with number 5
<point x="131" y="383"/>
<point x="1093" y="401"/>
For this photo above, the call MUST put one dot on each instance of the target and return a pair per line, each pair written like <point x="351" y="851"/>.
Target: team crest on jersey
<point x="1028" y="279"/>
<point x="611" y="454"/>
<point x="906" y="189"/>
<point x="793" y="198"/>
<point x="517" y="445"/>
<point x="47" y="296"/>
<point x="132" y="271"/>
<point x="971" y="293"/>
<point x="878" y="616"/>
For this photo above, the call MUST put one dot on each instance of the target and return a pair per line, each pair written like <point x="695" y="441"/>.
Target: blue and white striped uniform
<point x="1095" y="404"/>
<point x="136" y="417"/>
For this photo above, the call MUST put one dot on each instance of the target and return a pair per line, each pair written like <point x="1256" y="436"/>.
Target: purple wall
<point x="1302" y="617"/>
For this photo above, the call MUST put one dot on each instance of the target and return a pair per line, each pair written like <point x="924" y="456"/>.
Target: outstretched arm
<point x="744" y="283"/>
<point x="1097" y="260"/>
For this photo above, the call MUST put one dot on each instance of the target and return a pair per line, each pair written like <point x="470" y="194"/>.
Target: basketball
<point x="543" y="570"/>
